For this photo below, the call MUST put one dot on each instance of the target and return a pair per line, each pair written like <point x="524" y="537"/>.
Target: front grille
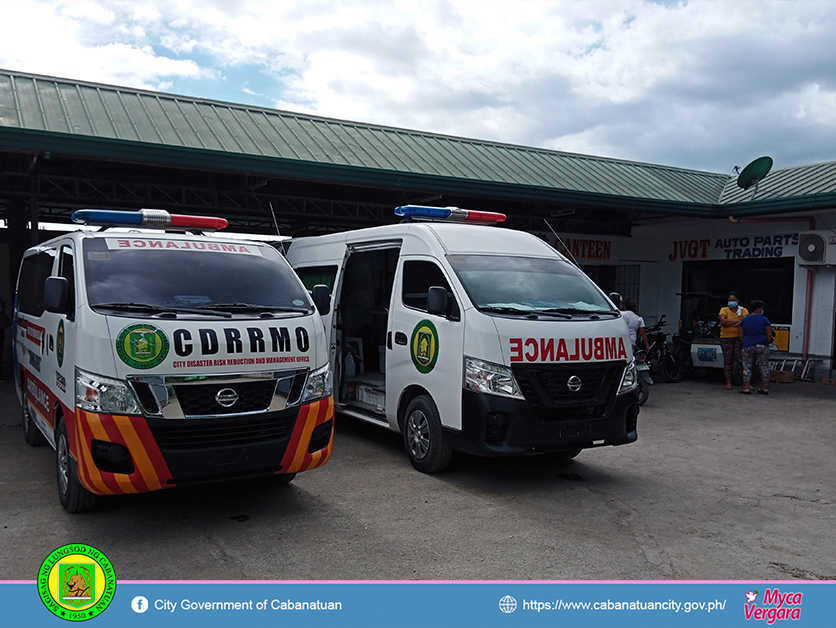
<point x="545" y="388"/>
<point x="146" y="397"/>
<point x="196" y="434"/>
<point x="199" y="399"/>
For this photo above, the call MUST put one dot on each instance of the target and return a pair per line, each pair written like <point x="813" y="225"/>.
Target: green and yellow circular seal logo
<point x="142" y="346"/>
<point x="76" y="582"/>
<point x="424" y="346"/>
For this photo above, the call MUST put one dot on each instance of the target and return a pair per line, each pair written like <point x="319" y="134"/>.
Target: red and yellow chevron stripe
<point x="150" y="470"/>
<point x="296" y="457"/>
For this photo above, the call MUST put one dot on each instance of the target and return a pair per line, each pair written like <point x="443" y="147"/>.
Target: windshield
<point x="143" y="273"/>
<point x="527" y="284"/>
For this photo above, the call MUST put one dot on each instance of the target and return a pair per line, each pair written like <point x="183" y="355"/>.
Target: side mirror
<point x="322" y="298"/>
<point x="437" y="300"/>
<point x="56" y="290"/>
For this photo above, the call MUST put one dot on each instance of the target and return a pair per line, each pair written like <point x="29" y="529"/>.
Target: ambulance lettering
<point x="221" y="247"/>
<point x="38" y="396"/>
<point x="559" y="350"/>
<point x="251" y="340"/>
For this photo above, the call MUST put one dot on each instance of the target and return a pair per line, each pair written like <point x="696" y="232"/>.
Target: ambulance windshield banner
<point x="151" y="244"/>
<point x="410" y="604"/>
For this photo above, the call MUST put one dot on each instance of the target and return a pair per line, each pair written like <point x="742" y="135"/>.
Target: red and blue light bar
<point x="447" y="213"/>
<point x="153" y="218"/>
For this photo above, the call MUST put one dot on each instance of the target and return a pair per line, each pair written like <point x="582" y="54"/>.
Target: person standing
<point x="635" y="323"/>
<point x="731" y="335"/>
<point x="757" y="335"/>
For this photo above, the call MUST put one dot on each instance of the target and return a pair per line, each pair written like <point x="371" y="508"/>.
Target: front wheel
<point x="31" y="434"/>
<point x="644" y="391"/>
<point x="672" y="367"/>
<point x="423" y="437"/>
<point x="73" y="496"/>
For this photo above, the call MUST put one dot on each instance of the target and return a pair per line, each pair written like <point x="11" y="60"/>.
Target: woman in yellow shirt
<point x="731" y="335"/>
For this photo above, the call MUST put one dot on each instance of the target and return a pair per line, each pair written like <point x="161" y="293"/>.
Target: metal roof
<point x="61" y="115"/>
<point x="219" y="134"/>
<point x="799" y="187"/>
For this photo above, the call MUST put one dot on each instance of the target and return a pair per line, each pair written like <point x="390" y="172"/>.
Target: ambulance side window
<point x="66" y="270"/>
<point x="418" y="278"/>
<point x="33" y="273"/>
<point x="313" y="275"/>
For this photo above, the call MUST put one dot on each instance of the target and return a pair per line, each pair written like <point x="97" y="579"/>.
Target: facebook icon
<point x="139" y="604"/>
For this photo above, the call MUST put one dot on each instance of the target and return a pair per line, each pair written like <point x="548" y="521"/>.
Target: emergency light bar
<point x="448" y="213"/>
<point x="154" y="218"/>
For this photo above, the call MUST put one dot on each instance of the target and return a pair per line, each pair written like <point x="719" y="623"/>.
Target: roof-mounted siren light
<point x="754" y="173"/>
<point x="151" y="218"/>
<point x="452" y="214"/>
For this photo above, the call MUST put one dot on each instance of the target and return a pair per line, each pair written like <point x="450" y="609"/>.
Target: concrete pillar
<point x="16" y="218"/>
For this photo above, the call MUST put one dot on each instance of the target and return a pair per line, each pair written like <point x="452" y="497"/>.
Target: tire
<point x="423" y="437"/>
<point x="671" y="367"/>
<point x="31" y="434"/>
<point x="73" y="496"/>
<point x="644" y="391"/>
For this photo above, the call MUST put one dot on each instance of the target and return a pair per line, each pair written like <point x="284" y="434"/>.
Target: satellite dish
<point x="754" y="172"/>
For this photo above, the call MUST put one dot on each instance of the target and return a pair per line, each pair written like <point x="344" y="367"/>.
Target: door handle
<point x="388" y="339"/>
<point x="400" y="338"/>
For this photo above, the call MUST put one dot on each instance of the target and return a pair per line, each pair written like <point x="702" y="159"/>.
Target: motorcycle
<point x="665" y="363"/>
<point x="682" y="348"/>
<point x="645" y="380"/>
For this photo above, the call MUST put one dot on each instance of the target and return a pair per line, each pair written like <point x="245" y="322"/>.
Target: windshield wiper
<point x="147" y="307"/>
<point x="252" y="307"/>
<point x="506" y="310"/>
<point x="575" y="310"/>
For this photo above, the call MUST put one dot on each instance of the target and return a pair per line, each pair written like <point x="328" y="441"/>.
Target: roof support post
<point x="17" y="237"/>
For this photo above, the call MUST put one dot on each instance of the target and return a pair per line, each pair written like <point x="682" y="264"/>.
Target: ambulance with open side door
<point x="156" y="359"/>
<point x="471" y="337"/>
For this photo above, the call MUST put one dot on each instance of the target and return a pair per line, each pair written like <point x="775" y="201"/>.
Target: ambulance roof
<point x="434" y="237"/>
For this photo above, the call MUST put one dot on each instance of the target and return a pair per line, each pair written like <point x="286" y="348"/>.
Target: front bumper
<point x="498" y="426"/>
<point x="165" y="453"/>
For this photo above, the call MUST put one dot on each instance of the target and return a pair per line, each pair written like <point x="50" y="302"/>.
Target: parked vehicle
<point x="155" y="360"/>
<point x="682" y="342"/>
<point x="471" y="337"/>
<point x="664" y="362"/>
<point x="645" y="380"/>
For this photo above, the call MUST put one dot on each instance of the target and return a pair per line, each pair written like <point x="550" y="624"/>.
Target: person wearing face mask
<point x="731" y="335"/>
<point x="757" y="334"/>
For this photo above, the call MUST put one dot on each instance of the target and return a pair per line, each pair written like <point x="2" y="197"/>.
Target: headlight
<point x="487" y="377"/>
<point x="318" y="385"/>
<point x="630" y="379"/>
<point x="95" y="393"/>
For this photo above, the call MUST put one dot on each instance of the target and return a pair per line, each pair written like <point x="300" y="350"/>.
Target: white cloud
<point x="669" y="83"/>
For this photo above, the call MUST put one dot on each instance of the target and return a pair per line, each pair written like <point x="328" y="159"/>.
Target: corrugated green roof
<point x="137" y="119"/>
<point x="47" y="113"/>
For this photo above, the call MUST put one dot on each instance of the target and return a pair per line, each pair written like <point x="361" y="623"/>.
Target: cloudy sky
<point x="702" y="84"/>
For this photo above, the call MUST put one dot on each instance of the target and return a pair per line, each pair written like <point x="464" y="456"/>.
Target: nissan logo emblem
<point x="574" y="383"/>
<point x="227" y="397"/>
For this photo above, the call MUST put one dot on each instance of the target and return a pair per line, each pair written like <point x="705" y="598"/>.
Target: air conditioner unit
<point x="816" y="248"/>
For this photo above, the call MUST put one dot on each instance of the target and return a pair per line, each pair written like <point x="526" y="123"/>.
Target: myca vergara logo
<point x="424" y="346"/>
<point x="76" y="582"/>
<point x="142" y="346"/>
<point x="776" y="606"/>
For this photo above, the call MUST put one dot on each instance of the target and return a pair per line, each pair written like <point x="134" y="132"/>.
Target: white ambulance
<point x="471" y="337"/>
<point x="154" y="359"/>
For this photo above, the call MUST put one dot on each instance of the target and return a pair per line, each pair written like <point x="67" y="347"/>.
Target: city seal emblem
<point x="424" y="346"/>
<point x="76" y="582"/>
<point x="142" y="346"/>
